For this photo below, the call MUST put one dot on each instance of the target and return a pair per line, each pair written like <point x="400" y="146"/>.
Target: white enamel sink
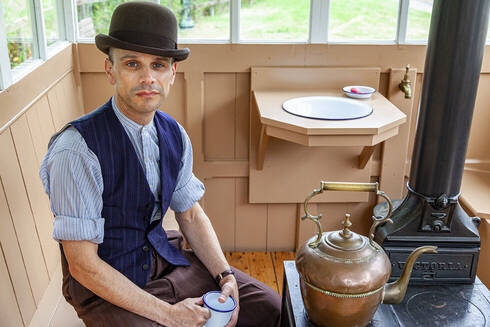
<point x="327" y="107"/>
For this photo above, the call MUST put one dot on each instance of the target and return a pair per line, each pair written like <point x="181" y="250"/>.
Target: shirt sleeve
<point x="189" y="189"/>
<point x="72" y="178"/>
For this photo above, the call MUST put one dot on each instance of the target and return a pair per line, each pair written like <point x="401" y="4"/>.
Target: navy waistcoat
<point x="127" y="199"/>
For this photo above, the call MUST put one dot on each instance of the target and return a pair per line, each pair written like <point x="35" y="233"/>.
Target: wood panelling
<point x="14" y="260"/>
<point x="10" y="311"/>
<point x="219" y="204"/>
<point x="478" y="143"/>
<point x="240" y="57"/>
<point x="37" y="198"/>
<point x="22" y="217"/>
<point x="392" y="176"/>
<point x="96" y="90"/>
<point x="174" y="104"/>
<point x="281" y="226"/>
<point x="64" y="102"/>
<point x="219" y="116"/>
<point x="36" y="106"/>
<point x="251" y="220"/>
<point x="291" y="171"/>
<point x="41" y="127"/>
<point x="242" y="115"/>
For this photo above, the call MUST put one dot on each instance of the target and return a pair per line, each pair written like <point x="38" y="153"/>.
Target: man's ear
<point x="174" y="73"/>
<point x="108" y="71"/>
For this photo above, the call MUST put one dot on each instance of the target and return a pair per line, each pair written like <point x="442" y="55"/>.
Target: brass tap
<point x="405" y="84"/>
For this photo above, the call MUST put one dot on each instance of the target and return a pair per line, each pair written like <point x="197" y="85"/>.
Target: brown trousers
<point x="259" y="305"/>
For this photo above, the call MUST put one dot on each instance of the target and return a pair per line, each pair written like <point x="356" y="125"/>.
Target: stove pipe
<point x="430" y="213"/>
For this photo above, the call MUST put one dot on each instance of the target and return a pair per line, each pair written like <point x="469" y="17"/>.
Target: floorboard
<point x="266" y="267"/>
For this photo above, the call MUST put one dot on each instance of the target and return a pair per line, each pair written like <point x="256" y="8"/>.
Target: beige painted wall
<point x="211" y="98"/>
<point x="32" y="110"/>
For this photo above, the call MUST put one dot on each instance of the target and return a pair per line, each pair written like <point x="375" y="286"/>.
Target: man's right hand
<point x="189" y="313"/>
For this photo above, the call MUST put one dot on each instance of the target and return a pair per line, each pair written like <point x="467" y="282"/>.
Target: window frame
<point x="65" y="11"/>
<point x="318" y="24"/>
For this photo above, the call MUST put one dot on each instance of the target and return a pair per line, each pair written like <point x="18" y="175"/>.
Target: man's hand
<point x="230" y="287"/>
<point x="189" y="313"/>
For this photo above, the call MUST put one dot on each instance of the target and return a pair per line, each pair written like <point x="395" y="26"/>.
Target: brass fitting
<point x="405" y="84"/>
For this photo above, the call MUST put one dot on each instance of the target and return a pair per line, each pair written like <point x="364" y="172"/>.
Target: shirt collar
<point x="128" y="123"/>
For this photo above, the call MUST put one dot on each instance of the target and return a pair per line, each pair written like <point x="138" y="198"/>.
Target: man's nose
<point x="146" y="76"/>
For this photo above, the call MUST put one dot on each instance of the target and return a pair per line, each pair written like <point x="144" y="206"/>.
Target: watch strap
<point x="224" y="274"/>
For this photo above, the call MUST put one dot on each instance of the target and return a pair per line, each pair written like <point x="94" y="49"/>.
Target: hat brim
<point x="105" y="42"/>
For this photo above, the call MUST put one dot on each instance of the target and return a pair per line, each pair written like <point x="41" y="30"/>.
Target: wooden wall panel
<point x="14" y="261"/>
<point x="174" y="105"/>
<point x="64" y="102"/>
<point x="41" y="127"/>
<point x="10" y="311"/>
<point x="281" y="226"/>
<point x="96" y="90"/>
<point x="219" y="116"/>
<point x="478" y="143"/>
<point x="22" y="218"/>
<point x="37" y="197"/>
<point x="250" y="221"/>
<point x="219" y="204"/>
<point x="394" y="150"/>
<point x="242" y="115"/>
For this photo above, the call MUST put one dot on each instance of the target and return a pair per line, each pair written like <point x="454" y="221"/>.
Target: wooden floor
<point x="264" y="266"/>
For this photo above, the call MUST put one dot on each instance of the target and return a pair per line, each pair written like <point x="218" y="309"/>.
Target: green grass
<point x="288" y="20"/>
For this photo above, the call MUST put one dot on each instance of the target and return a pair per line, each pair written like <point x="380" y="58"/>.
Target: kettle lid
<point x="345" y="239"/>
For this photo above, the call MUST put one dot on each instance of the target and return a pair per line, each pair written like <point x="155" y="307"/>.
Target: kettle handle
<point x="340" y="186"/>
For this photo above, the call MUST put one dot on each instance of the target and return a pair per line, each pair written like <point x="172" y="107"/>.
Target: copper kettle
<point x="343" y="275"/>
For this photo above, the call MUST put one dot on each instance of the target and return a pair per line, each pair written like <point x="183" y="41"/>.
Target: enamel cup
<point x="220" y="312"/>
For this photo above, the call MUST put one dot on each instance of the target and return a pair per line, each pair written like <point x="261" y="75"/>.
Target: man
<point x="112" y="174"/>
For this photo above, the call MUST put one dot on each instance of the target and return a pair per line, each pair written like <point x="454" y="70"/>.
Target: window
<point x="198" y="19"/>
<point x="274" y="19"/>
<point x="418" y="23"/>
<point x="51" y="21"/>
<point x="17" y="24"/>
<point x="363" y="20"/>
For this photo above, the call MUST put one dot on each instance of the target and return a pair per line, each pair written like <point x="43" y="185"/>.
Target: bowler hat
<point x="143" y="27"/>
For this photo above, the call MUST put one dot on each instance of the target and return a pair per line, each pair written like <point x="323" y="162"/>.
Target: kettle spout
<point x="395" y="292"/>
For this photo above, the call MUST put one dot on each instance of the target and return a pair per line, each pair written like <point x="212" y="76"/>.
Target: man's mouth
<point x="147" y="94"/>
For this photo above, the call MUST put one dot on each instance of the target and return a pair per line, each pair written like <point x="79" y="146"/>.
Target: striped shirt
<point x="72" y="177"/>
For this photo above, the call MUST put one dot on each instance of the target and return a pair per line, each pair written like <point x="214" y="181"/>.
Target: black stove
<point x="430" y="214"/>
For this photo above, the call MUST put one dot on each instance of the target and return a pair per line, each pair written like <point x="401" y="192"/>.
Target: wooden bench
<point x="475" y="199"/>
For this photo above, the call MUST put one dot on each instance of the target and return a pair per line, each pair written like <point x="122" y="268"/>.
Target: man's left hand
<point x="229" y="287"/>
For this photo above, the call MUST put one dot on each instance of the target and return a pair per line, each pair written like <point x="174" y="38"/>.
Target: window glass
<point x="17" y="20"/>
<point x="198" y="19"/>
<point x="418" y="22"/>
<point x="274" y="19"/>
<point x="362" y="20"/>
<point x="51" y="24"/>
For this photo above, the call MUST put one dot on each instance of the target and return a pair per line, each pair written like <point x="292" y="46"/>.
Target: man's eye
<point x="131" y="64"/>
<point x="158" y="65"/>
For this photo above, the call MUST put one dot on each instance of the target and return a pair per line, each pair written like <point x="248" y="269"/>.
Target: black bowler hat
<point x="143" y="27"/>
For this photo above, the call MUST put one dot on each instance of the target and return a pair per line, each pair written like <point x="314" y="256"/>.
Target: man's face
<point x="141" y="81"/>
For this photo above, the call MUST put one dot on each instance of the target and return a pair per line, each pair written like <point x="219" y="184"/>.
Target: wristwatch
<point x="223" y="275"/>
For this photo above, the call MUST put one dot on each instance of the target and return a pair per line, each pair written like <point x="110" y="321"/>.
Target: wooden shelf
<point x="369" y="131"/>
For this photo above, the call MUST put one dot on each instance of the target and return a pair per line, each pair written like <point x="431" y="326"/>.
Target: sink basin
<point x="327" y="108"/>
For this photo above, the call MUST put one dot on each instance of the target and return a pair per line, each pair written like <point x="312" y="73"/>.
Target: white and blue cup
<point x="220" y="312"/>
